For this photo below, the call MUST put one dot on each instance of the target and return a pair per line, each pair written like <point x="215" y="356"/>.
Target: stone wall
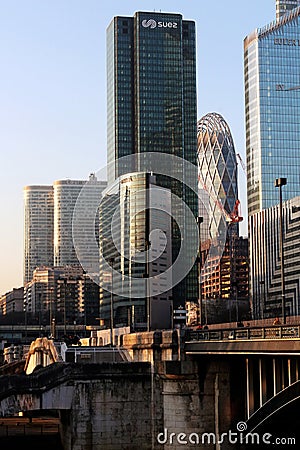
<point x="111" y="413"/>
<point x="151" y="403"/>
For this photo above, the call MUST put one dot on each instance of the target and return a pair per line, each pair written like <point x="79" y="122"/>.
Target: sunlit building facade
<point x="265" y="265"/>
<point x="65" y="294"/>
<point x="66" y="193"/>
<point x="38" y="228"/>
<point x="65" y="196"/>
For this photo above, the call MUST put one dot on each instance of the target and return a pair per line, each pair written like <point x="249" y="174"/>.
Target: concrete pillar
<point x="262" y="381"/>
<point x="250" y="387"/>
<point x="277" y="376"/>
<point x="289" y="372"/>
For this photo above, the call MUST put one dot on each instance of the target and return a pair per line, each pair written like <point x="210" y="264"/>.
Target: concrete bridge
<point x="168" y="389"/>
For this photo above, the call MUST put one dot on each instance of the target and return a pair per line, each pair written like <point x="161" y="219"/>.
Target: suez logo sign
<point x="151" y="23"/>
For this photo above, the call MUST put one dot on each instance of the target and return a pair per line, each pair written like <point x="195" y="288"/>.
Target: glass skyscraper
<point x="134" y="270"/>
<point x="151" y="104"/>
<point x="272" y="100"/>
<point x="285" y="6"/>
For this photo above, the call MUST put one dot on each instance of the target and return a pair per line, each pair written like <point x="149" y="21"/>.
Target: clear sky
<point x="53" y="92"/>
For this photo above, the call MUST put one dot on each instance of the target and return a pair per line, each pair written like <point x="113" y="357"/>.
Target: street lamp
<point x="65" y="306"/>
<point x="148" y="304"/>
<point x="25" y="306"/>
<point x="112" y="302"/>
<point x="263" y="284"/>
<point x="199" y="221"/>
<point x="279" y="182"/>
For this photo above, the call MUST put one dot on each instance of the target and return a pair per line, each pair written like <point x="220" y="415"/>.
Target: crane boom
<point x="231" y="218"/>
<point x="242" y="163"/>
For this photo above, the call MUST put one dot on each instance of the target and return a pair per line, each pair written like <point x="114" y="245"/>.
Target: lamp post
<point x="112" y="302"/>
<point x="25" y="306"/>
<point x="148" y="304"/>
<point x="279" y="182"/>
<point x="263" y="284"/>
<point x="199" y="221"/>
<point x="50" y="312"/>
<point x="65" y="306"/>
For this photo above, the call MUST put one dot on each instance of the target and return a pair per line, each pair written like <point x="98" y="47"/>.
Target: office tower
<point x="265" y="267"/>
<point x="66" y="193"/>
<point x="38" y="228"/>
<point x="151" y="104"/>
<point x="285" y="6"/>
<point x="134" y="275"/>
<point x="272" y="89"/>
<point x="224" y="255"/>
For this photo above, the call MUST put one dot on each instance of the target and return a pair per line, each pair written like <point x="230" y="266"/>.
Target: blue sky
<point x="53" y="92"/>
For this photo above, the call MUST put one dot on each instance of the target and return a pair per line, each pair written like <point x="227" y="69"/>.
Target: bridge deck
<point x="270" y="340"/>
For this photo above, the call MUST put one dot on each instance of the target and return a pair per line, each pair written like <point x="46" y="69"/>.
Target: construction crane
<point x="242" y="163"/>
<point x="232" y="217"/>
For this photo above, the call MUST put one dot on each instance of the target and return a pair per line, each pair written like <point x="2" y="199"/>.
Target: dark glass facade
<point x="151" y="104"/>
<point x="131" y="271"/>
<point x="272" y="97"/>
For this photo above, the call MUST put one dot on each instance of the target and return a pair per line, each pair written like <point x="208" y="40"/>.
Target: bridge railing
<point x="269" y="332"/>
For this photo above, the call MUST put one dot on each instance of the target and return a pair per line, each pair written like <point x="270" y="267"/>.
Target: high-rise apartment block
<point x="38" y="228"/>
<point x="48" y="220"/>
<point x="65" y="294"/>
<point x="151" y="104"/>
<point x="65" y="196"/>
<point x="12" y="301"/>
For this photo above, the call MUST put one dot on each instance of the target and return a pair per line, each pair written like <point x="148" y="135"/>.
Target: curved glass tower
<point x="217" y="166"/>
<point x="223" y="252"/>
